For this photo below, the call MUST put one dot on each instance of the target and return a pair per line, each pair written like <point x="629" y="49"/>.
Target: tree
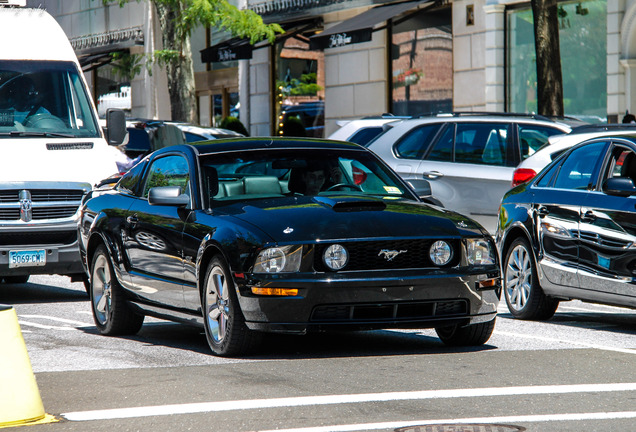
<point x="178" y="18"/>
<point x="546" y="41"/>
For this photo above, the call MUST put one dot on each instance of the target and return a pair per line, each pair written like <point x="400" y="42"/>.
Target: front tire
<point x="524" y="296"/>
<point x="111" y="313"/>
<point x="470" y="335"/>
<point x="224" y="323"/>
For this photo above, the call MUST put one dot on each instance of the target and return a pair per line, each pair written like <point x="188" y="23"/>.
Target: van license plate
<point x="27" y="258"/>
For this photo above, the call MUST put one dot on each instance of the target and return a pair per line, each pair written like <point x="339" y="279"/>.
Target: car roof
<point x="486" y="117"/>
<point x="268" y="143"/>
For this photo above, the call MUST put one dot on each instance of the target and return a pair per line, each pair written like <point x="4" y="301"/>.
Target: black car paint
<point x="165" y="281"/>
<point x="598" y="262"/>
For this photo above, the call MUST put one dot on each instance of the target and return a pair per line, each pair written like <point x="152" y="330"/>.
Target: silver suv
<point x="468" y="158"/>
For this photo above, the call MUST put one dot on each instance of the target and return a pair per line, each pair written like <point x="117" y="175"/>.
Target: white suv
<point x="468" y="158"/>
<point x="364" y="130"/>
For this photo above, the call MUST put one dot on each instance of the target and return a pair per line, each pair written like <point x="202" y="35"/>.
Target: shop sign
<point x="339" y="39"/>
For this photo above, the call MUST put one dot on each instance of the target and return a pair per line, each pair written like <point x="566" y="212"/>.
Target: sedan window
<point x="578" y="168"/>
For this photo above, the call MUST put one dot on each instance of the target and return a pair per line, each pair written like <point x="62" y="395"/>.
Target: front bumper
<point x="370" y="300"/>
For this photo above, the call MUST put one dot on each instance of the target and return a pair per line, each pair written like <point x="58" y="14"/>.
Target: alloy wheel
<point x="217" y="304"/>
<point x="102" y="289"/>
<point x="518" y="277"/>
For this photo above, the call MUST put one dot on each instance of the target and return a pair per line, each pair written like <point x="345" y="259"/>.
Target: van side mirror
<point x="619" y="186"/>
<point x="115" y="129"/>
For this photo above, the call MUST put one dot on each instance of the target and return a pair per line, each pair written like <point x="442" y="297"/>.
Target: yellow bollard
<point x="20" y="400"/>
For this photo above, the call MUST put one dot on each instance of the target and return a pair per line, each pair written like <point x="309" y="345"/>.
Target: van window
<point x="44" y="98"/>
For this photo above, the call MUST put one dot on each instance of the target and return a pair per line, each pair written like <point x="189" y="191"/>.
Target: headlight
<point x="279" y="259"/>
<point x="335" y="257"/>
<point x="480" y="252"/>
<point x="440" y="253"/>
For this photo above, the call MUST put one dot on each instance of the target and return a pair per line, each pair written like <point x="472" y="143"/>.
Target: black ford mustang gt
<point x="253" y="235"/>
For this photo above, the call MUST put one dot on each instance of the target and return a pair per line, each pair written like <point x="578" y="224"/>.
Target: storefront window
<point x="583" y="60"/>
<point x="422" y="66"/>
<point x="300" y="85"/>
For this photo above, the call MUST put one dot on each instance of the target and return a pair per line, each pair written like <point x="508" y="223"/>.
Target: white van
<point x="52" y="149"/>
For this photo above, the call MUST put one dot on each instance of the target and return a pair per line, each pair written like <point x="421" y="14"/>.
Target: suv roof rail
<point x="600" y="127"/>
<point x="387" y="116"/>
<point x="484" y="113"/>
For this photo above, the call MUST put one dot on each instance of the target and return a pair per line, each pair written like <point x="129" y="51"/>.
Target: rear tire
<point x="16" y="279"/>
<point x="470" y="335"/>
<point x="524" y="296"/>
<point x="224" y="323"/>
<point x="111" y="312"/>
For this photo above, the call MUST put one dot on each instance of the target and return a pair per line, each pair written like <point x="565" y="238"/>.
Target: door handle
<point x="132" y="219"/>
<point x="543" y="211"/>
<point x="432" y="174"/>
<point x="588" y="216"/>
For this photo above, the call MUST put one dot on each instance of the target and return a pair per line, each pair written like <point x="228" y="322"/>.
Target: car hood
<point x="299" y="219"/>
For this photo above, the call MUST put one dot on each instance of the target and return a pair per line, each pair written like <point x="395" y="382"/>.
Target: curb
<point x="20" y="401"/>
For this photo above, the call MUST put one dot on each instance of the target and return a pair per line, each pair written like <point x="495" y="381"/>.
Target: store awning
<point x="359" y="28"/>
<point x="229" y="50"/>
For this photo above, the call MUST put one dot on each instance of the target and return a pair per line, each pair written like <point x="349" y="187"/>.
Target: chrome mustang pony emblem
<point x="390" y="254"/>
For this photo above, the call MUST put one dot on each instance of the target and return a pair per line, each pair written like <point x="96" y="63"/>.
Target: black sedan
<point x="571" y="232"/>
<point x="250" y="235"/>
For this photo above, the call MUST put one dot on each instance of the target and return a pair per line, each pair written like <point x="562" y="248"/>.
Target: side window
<point x="482" y="143"/>
<point x="365" y="135"/>
<point x="547" y="176"/>
<point x="532" y="138"/>
<point x="443" y="150"/>
<point x="622" y="164"/>
<point x="577" y="171"/>
<point x="416" y="142"/>
<point x="129" y="182"/>
<point x="168" y="171"/>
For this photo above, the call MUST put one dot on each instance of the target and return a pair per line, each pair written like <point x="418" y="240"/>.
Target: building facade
<point x="345" y="59"/>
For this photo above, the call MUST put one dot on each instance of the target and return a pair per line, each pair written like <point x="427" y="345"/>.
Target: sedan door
<point x="154" y="236"/>
<point x="608" y="233"/>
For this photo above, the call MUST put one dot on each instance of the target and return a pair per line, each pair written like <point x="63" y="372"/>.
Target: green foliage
<point x="234" y="124"/>
<point x="305" y="86"/>
<point x="126" y="66"/>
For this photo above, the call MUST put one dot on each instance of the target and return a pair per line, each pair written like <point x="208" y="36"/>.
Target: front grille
<point x="47" y="204"/>
<point x="365" y="255"/>
<point x="38" y="238"/>
<point x="390" y="311"/>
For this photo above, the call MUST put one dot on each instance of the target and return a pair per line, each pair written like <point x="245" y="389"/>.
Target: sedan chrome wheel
<point x="217" y="302"/>
<point x="524" y="295"/>
<point x="518" y="277"/>
<point x="101" y="290"/>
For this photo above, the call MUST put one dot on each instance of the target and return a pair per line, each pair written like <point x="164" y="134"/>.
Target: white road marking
<point x="46" y="327"/>
<point x="64" y="320"/>
<point x="565" y="341"/>
<point x="488" y="420"/>
<point x="158" y="410"/>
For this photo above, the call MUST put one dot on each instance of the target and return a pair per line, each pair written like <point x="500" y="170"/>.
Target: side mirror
<point x="619" y="186"/>
<point x="168" y="195"/>
<point x="115" y="130"/>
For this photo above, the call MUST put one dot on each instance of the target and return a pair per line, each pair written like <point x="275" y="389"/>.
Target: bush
<point x="234" y="124"/>
<point x="293" y="126"/>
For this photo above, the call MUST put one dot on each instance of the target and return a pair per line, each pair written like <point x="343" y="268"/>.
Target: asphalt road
<point x="574" y="373"/>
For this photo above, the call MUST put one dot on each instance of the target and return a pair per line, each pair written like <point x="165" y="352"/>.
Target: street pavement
<point x="573" y="373"/>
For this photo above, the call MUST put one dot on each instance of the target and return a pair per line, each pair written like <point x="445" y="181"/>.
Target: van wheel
<point x="524" y="295"/>
<point x="111" y="313"/>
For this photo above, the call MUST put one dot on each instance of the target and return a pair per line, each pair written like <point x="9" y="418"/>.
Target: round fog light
<point x="335" y="257"/>
<point x="440" y="253"/>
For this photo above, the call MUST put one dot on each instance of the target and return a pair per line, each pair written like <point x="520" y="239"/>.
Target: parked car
<point x="557" y="144"/>
<point x="194" y="133"/>
<point x="229" y="236"/>
<point x="362" y="131"/>
<point x="570" y="233"/>
<point x="146" y="136"/>
<point x="469" y="158"/>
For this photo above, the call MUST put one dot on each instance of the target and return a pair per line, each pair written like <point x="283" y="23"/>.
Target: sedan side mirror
<point x="619" y="186"/>
<point x="168" y="195"/>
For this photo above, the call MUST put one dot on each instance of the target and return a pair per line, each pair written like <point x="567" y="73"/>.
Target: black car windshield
<point x="310" y="172"/>
<point x="44" y="98"/>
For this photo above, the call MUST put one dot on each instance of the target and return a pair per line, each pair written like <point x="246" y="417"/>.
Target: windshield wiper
<point x="36" y="134"/>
